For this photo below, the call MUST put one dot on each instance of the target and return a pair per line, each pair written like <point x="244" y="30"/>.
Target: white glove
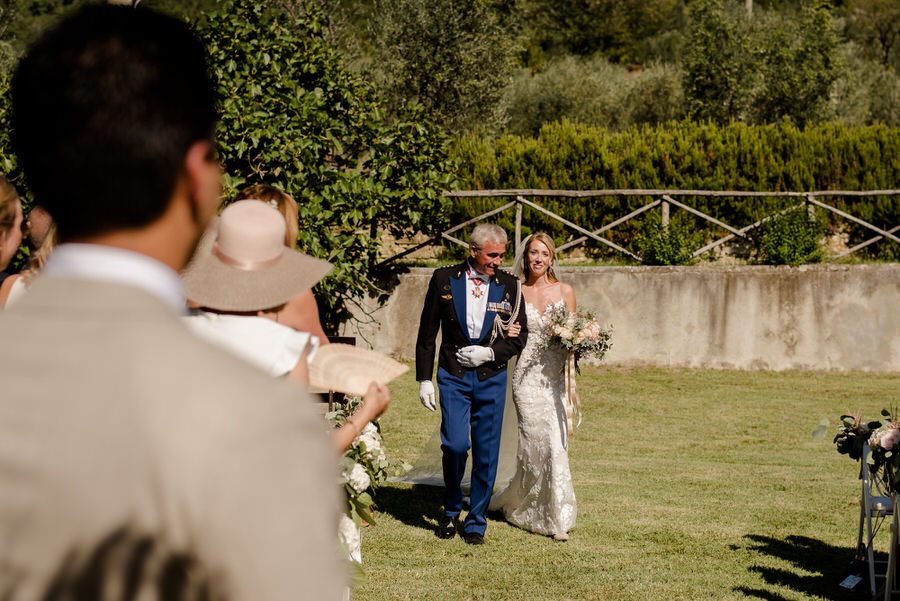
<point x="473" y="356"/>
<point x="426" y="394"/>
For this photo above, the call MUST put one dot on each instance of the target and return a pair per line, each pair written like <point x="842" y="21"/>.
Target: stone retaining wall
<point x="843" y="317"/>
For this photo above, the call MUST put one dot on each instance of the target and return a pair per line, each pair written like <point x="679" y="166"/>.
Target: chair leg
<point x="890" y="574"/>
<point x="870" y="546"/>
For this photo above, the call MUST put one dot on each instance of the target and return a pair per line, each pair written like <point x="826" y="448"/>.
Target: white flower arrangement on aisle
<point x="364" y="465"/>
<point x="349" y="536"/>
<point x="579" y="332"/>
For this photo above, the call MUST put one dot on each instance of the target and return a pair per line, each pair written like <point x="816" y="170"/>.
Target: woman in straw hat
<point x="301" y="312"/>
<point x="241" y="277"/>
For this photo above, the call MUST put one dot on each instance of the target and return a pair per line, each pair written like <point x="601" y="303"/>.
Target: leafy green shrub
<point x="672" y="245"/>
<point x="792" y="238"/>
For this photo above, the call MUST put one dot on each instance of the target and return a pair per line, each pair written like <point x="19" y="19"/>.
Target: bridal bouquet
<point x="578" y="332"/>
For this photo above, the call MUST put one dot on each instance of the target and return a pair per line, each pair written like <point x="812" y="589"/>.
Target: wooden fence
<point x="664" y="201"/>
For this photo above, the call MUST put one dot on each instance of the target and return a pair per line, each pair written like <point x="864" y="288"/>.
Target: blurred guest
<point x="241" y="276"/>
<point x="113" y="415"/>
<point x="41" y="238"/>
<point x="10" y="224"/>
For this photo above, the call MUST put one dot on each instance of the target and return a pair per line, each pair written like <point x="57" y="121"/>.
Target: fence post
<point x="518" y="226"/>
<point x="664" y="214"/>
<point x="810" y="208"/>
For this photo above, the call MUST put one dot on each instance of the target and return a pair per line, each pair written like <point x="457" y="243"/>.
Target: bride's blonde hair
<point x="548" y="242"/>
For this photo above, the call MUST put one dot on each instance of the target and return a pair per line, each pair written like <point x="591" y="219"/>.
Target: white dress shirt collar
<point x="119" y="266"/>
<point x="472" y="273"/>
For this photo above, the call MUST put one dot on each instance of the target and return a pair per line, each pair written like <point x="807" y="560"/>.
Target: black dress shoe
<point x="447" y="527"/>
<point x="473" y="538"/>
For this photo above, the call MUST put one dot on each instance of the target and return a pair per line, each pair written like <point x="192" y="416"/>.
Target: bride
<point x="540" y="497"/>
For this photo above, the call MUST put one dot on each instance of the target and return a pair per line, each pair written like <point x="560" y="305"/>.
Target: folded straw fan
<point x="349" y="369"/>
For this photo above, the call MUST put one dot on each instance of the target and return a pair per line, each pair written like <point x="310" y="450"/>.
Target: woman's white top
<point x="16" y="292"/>
<point x="270" y="346"/>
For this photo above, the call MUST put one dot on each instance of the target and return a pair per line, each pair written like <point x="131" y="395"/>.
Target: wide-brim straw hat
<point x="350" y="369"/>
<point x="242" y="264"/>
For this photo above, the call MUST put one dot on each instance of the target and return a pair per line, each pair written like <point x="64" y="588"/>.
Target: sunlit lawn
<point x="690" y="485"/>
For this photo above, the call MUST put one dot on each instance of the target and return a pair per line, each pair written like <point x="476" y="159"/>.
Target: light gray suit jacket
<point x="113" y="414"/>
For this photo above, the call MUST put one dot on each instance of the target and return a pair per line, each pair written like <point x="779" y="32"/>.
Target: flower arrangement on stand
<point x="883" y="438"/>
<point x="363" y="468"/>
<point x="579" y="332"/>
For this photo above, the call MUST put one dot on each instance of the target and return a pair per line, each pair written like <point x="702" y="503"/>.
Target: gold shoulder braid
<point x="500" y="325"/>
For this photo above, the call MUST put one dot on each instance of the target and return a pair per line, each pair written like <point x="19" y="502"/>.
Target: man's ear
<point x="204" y="180"/>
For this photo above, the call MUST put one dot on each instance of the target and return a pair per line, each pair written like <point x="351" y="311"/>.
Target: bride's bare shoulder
<point x="568" y="295"/>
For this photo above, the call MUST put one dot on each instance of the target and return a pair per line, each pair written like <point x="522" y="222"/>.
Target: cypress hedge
<point x="687" y="155"/>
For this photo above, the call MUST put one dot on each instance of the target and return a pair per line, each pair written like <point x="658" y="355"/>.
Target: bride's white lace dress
<point x="540" y="497"/>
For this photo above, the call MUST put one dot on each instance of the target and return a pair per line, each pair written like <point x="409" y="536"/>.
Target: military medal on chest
<point x="478" y="285"/>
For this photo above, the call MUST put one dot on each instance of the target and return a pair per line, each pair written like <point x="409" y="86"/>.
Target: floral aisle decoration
<point x="883" y="438"/>
<point x="363" y="468"/>
<point x="579" y="332"/>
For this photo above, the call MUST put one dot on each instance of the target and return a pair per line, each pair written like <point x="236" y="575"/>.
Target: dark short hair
<point x="105" y="107"/>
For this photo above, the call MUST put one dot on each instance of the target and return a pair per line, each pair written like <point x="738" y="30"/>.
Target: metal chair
<point x="874" y="505"/>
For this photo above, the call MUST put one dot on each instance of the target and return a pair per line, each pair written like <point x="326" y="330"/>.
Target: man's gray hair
<point x="487" y="232"/>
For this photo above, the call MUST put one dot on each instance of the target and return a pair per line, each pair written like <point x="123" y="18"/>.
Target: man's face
<point x="487" y="259"/>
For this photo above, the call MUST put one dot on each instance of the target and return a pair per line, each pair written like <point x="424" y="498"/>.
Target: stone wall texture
<point x="817" y="317"/>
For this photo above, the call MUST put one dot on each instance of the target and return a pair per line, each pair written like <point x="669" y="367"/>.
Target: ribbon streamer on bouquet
<point x="573" y="403"/>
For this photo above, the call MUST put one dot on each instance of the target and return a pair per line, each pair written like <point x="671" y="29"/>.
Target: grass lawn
<point x="690" y="485"/>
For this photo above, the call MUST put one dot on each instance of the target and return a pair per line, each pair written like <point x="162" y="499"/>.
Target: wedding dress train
<point x="540" y="497"/>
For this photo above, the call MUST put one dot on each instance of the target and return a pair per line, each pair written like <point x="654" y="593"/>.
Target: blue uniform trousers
<point x="467" y="404"/>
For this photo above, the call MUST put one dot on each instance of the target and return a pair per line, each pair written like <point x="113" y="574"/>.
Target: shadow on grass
<point x="418" y="506"/>
<point x="820" y="569"/>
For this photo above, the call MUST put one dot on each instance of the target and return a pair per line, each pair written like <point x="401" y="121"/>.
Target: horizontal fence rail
<point x="664" y="201"/>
